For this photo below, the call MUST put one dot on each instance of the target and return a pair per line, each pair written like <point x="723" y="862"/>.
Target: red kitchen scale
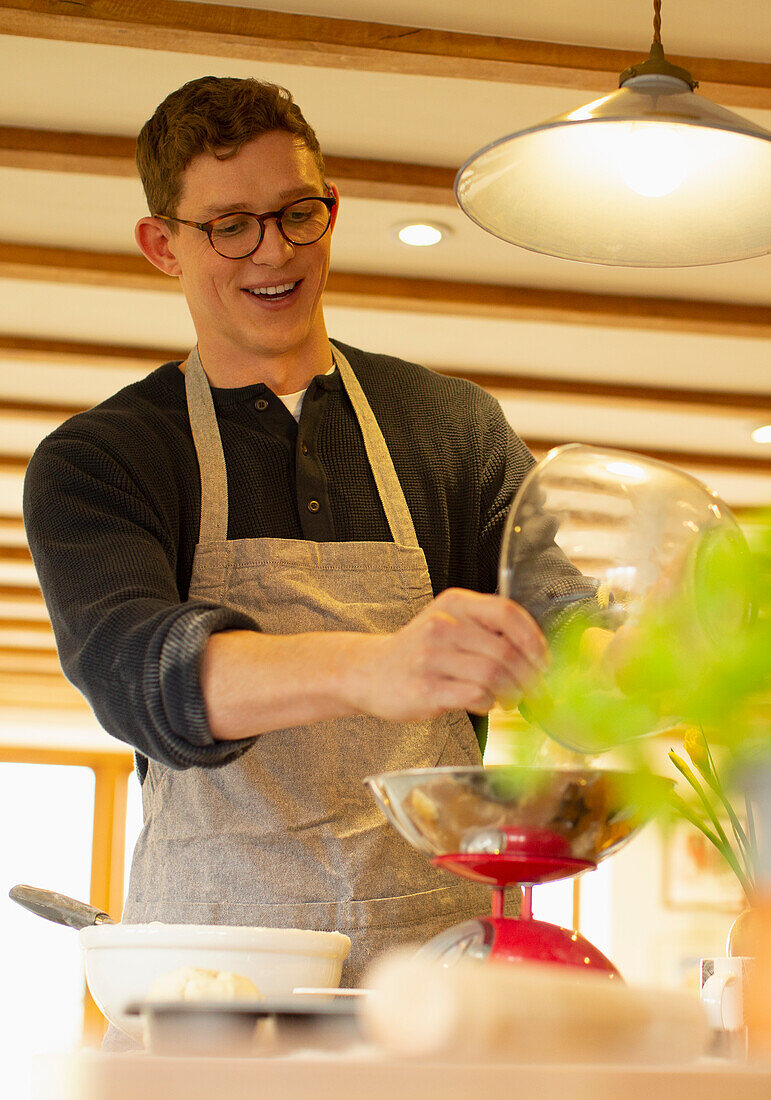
<point x="511" y="827"/>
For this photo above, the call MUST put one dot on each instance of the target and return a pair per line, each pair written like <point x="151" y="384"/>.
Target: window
<point x="46" y="818"/>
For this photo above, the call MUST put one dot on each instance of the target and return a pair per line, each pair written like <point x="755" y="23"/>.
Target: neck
<point x="282" y="372"/>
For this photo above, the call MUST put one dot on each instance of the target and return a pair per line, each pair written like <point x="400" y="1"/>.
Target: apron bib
<point x="287" y="835"/>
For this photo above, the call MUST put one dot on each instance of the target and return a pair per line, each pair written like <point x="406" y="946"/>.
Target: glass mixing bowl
<point x="637" y="573"/>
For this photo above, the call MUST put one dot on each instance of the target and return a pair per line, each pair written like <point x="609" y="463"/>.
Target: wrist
<point x="355" y="669"/>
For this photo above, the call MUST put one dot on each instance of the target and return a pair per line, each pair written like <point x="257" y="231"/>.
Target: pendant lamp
<point x="652" y="175"/>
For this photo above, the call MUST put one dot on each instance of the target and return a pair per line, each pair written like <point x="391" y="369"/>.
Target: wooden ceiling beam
<point x="15" y="523"/>
<point x="67" y="151"/>
<point x="17" y="464"/>
<point x="495" y="301"/>
<point x="83" y="267"/>
<point x="221" y="30"/>
<point x="16" y="409"/>
<point x="582" y="388"/>
<point x="29" y="660"/>
<point x="37" y="626"/>
<point x="686" y="399"/>
<point x="39" y="691"/>
<point x="13" y="464"/>
<point x="696" y="460"/>
<point x="21" y="594"/>
<point x="14" y="553"/>
<point x="84" y="353"/>
<point x="355" y="290"/>
<point x="111" y="155"/>
<point x="13" y="409"/>
<point x="25" y="651"/>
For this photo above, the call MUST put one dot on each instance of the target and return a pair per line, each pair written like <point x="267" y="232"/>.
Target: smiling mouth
<point x="275" y="293"/>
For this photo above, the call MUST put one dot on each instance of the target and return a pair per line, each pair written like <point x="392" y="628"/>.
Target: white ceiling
<point x="107" y="89"/>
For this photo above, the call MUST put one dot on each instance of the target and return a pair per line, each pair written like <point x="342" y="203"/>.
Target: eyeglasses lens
<point x="305" y="221"/>
<point x="302" y="222"/>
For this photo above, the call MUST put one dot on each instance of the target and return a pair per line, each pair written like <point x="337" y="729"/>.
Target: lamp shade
<point x="651" y="175"/>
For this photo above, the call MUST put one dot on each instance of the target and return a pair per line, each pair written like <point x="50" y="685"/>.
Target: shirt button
<point x="304" y="448"/>
<point x="313" y="506"/>
<point x="261" y="404"/>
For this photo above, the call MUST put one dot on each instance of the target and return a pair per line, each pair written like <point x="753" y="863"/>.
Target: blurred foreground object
<point x="528" y="1013"/>
<point x="710" y="807"/>
<point x="758" y="993"/>
<point x="666" y="623"/>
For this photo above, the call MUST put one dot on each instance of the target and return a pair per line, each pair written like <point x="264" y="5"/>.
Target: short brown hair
<point x="215" y="115"/>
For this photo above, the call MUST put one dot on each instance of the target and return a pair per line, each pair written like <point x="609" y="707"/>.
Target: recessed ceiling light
<point x="762" y="435"/>
<point x="421" y="234"/>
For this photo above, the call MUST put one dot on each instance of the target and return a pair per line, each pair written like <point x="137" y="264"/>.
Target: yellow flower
<point x="695" y="745"/>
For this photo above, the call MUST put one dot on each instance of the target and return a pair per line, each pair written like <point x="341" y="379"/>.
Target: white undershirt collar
<point x="294" y="401"/>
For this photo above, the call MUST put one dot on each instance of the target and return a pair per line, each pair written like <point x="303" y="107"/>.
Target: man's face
<point x="231" y="321"/>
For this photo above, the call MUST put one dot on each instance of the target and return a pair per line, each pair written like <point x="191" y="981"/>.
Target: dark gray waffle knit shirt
<point x="112" y="506"/>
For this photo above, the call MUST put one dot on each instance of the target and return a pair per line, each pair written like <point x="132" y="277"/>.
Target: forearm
<point x="461" y="652"/>
<point x="253" y="683"/>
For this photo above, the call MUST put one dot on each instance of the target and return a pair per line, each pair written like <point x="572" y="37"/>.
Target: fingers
<point x="449" y="693"/>
<point x="488" y="660"/>
<point x="496" y="615"/>
<point x="482" y="648"/>
<point x="495" y="626"/>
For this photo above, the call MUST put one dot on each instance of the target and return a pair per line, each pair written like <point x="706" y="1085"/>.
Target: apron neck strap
<point x="391" y="493"/>
<point x="211" y="459"/>
<point x="208" y="446"/>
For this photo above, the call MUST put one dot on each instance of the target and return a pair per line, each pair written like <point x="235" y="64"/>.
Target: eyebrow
<point x="216" y="209"/>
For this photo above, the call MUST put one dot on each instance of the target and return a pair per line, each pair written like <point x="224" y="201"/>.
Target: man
<point x="268" y="608"/>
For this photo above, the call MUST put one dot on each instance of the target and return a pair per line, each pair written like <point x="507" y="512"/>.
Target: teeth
<point x="272" y="291"/>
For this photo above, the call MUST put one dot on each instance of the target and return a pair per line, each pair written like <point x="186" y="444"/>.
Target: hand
<point x="462" y="652"/>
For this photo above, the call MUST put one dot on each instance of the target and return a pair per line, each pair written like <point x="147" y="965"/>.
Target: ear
<point x="336" y="195"/>
<point x="156" y="242"/>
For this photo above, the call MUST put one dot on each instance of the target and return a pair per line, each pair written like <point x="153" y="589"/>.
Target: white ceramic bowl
<point x="123" y="960"/>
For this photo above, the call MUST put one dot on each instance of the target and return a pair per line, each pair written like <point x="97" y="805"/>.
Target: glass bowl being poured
<point x="637" y="574"/>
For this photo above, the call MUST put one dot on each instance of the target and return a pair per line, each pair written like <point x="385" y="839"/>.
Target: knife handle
<point x="58" y="907"/>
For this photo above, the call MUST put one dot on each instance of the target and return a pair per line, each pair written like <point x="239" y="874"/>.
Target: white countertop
<point x="92" y="1075"/>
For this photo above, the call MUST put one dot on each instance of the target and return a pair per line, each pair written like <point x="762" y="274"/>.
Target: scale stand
<point x="515" y="939"/>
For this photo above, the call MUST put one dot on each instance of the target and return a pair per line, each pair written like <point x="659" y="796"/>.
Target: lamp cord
<point x="657" y="21"/>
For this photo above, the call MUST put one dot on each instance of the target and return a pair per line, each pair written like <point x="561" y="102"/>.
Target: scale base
<point x="504" y="939"/>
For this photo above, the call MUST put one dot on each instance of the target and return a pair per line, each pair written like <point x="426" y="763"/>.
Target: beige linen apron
<point x="287" y="835"/>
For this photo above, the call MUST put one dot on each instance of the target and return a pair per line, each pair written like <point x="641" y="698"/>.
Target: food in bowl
<point x="196" y="983"/>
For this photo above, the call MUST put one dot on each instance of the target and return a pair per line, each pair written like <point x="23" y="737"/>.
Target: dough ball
<point x="194" y="983"/>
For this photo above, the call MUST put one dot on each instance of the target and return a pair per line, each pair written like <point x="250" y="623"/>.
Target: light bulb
<point x="762" y="435"/>
<point x="653" y="161"/>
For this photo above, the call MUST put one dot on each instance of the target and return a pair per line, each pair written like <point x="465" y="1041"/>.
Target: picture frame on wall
<point x="695" y="874"/>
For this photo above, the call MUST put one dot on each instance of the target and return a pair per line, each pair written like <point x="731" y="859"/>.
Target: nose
<point x="274" y="248"/>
